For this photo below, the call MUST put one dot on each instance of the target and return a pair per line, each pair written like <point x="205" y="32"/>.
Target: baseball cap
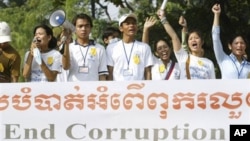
<point x="4" y="32"/>
<point x="124" y="17"/>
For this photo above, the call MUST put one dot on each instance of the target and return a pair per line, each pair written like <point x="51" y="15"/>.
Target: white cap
<point x="4" y="32"/>
<point x="124" y="17"/>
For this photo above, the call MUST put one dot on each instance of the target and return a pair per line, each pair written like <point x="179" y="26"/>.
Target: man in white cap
<point x="10" y="59"/>
<point x="129" y="59"/>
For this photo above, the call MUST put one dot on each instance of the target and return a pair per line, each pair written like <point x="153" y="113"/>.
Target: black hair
<point x="109" y="31"/>
<point x="198" y="32"/>
<point x="162" y="39"/>
<point x="82" y="16"/>
<point x="172" y="56"/>
<point x="48" y="30"/>
<point x="232" y="38"/>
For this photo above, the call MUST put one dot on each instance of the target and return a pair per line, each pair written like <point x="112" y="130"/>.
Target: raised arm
<point x="217" y="45"/>
<point x="216" y="10"/>
<point x="147" y="25"/>
<point x="170" y="31"/>
<point x="67" y="34"/>
<point x="183" y="23"/>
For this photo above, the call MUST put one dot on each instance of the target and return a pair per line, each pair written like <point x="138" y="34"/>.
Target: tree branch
<point x="105" y="9"/>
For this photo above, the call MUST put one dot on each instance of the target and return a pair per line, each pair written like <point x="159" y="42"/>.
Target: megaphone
<point x="58" y="18"/>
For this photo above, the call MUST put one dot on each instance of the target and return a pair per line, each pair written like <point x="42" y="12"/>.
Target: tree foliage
<point x="24" y="15"/>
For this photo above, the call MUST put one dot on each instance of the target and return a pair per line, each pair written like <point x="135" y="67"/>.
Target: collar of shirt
<point x="91" y="42"/>
<point x="234" y="59"/>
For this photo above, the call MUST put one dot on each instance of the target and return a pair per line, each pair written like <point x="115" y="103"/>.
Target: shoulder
<point x="55" y="52"/>
<point x="12" y="50"/>
<point x="208" y="60"/>
<point x="115" y="44"/>
<point x="97" y="45"/>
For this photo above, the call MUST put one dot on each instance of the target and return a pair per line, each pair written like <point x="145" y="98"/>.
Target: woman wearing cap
<point x="129" y="59"/>
<point x="10" y="59"/>
<point x="43" y="61"/>
<point x="191" y="64"/>
<point x="235" y="65"/>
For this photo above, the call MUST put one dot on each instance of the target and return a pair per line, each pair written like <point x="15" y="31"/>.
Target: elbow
<point x="66" y="67"/>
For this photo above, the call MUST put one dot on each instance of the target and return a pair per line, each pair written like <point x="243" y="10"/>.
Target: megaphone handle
<point x="63" y="39"/>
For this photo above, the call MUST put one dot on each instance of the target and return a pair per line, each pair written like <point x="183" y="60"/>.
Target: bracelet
<point x="164" y="20"/>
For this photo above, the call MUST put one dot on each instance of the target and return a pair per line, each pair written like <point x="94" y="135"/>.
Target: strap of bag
<point x="170" y="70"/>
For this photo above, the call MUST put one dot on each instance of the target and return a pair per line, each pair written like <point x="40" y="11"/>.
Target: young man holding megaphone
<point x="84" y="59"/>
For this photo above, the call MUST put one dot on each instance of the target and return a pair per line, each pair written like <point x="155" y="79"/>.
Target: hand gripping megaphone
<point x="58" y="18"/>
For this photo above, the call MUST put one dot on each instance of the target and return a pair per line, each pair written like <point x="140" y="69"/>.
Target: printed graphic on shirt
<point x="50" y="60"/>
<point x="199" y="72"/>
<point x="136" y="59"/>
<point x="93" y="52"/>
<point x="162" y="68"/>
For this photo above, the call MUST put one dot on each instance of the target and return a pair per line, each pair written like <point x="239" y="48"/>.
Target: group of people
<point x="124" y="58"/>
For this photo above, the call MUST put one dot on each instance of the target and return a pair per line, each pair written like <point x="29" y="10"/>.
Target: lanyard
<point x="128" y="58"/>
<point x="239" y="71"/>
<point x="84" y="56"/>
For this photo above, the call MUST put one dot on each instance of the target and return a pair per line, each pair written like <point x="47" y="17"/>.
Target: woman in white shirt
<point x="191" y="64"/>
<point x="235" y="65"/>
<point x="164" y="68"/>
<point x="43" y="62"/>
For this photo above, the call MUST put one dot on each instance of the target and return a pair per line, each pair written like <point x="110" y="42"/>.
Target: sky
<point x="113" y="11"/>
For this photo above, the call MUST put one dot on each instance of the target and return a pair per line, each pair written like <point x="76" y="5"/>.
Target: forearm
<point x="27" y="67"/>
<point x="147" y="73"/>
<point x="103" y="77"/>
<point x="50" y="75"/>
<point x="183" y="39"/>
<point x="66" y="57"/>
<point x="110" y="75"/>
<point x="170" y="31"/>
<point x="145" y="34"/>
<point x="14" y="78"/>
<point x="216" y="21"/>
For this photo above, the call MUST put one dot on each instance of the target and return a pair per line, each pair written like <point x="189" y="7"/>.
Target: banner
<point x="173" y="110"/>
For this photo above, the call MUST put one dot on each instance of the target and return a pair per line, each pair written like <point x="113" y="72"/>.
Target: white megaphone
<point x="58" y="18"/>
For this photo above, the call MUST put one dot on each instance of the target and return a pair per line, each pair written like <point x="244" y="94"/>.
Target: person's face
<point x="238" y="46"/>
<point x="162" y="50"/>
<point x="195" y="43"/>
<point x="3" y="45"/>
<point x="129" y="27"/>
<point x="42" y="37"/>
<point x="113" y="38"/>
<point x="83" y="28"/>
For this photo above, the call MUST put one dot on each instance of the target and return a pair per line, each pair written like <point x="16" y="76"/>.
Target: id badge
<point x="127" y="72"/>
<point x="83" y="69"/>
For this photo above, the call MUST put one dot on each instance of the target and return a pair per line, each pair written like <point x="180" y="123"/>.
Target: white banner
<point x="123" y="111"/>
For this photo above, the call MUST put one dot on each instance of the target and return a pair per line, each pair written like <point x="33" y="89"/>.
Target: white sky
<point x="113" y="11"/>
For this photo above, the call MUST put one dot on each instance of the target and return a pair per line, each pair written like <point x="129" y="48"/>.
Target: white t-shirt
<point x="129" y="60"/>
<point x="52" y="59"/>
<point x="62" y="76"/>
<point x="160" y="71"/>
<point x="199" y="67"/>
<point x="87" y="63"/>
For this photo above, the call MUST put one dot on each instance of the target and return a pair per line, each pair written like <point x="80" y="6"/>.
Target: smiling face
<point x="238" y="46"/>
<point x="162" y="50"/>
<point x="195" y="43"/>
